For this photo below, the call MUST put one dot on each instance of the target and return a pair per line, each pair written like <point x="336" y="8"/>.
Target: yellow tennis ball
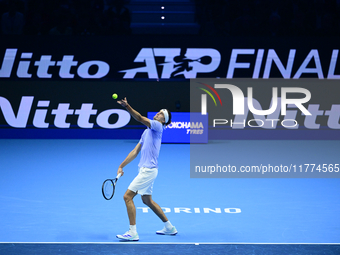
<point x="114" y="96"/>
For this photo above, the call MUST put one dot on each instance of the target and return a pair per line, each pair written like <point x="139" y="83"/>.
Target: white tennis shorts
<point x="143" y="183"/>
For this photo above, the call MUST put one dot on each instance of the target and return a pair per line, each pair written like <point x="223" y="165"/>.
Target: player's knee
<point x="146" y="200"/>
<point x="127" y="198"/>
<point x="129" y="195"/>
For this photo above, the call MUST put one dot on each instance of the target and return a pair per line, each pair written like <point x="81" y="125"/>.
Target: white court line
<point x="137" y="242"/>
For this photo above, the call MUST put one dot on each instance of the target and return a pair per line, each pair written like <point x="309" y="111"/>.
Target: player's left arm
<point x="136" y="115"/>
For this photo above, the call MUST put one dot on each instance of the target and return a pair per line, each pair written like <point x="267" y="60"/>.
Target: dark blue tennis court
<point x="50" y="191"/>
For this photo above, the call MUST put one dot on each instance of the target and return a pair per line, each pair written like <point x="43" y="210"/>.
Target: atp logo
<point x="185" y="62"/>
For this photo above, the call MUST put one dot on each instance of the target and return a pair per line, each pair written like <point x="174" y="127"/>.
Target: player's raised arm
<point x="136" y="115"/>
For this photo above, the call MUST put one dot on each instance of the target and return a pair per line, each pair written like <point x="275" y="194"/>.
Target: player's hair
<point x="169" y="121"/>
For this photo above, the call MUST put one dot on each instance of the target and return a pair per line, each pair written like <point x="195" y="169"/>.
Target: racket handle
<point x="118" y="176"/>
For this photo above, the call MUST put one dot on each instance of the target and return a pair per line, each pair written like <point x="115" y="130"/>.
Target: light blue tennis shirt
<point x="151" y="144"/>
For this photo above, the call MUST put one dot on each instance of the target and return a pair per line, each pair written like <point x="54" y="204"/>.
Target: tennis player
<point x="149" y="146"/>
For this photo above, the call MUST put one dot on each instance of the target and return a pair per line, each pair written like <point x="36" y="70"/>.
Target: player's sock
<point x="133" y="229"/>
<point x="168" y="225"/>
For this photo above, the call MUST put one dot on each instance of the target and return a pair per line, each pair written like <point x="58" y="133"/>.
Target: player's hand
<point x="120" y="171"/>
<point x="123" y="102"/>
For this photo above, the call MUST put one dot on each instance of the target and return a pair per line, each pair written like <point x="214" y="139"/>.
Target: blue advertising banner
<point x="185" y="127"/>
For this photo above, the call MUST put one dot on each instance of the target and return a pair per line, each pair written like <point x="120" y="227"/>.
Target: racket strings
<point x="108" y="189"/>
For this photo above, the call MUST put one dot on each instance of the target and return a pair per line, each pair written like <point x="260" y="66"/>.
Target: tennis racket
<point x="108" y="188"/>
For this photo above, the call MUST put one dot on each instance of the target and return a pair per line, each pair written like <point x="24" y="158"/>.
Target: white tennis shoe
<point x="165" y="231"/>
<point x="128" y="236"/>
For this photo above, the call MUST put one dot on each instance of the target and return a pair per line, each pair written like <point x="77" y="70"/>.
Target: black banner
<point x="54" y="109"/>
<point x="167" y="57"/>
